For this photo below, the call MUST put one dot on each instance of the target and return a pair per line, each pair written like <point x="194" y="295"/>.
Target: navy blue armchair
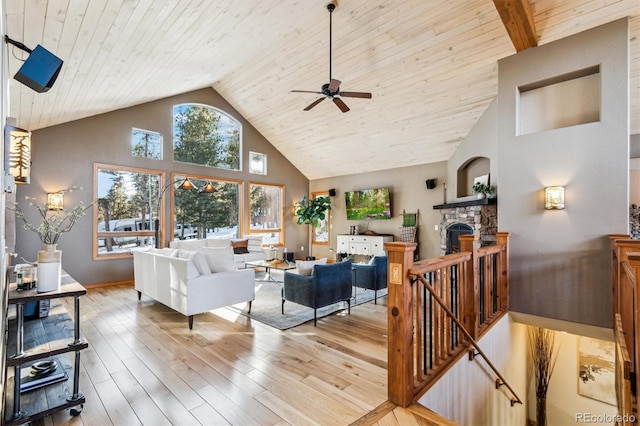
<point x="327" y="284"/>
<point x="371" y="276"/>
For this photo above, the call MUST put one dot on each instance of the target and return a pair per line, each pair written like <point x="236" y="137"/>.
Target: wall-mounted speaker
<point x="332" y="192"/>
<point x="431" y="183"/>
<point x="40" y="70"/>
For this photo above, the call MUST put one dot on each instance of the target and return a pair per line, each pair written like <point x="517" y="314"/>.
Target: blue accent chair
<point x="327" y="284"/>
<point x="372" y="276"/>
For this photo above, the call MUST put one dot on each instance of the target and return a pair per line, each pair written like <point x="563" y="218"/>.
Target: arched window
<point x="207" y="136"/>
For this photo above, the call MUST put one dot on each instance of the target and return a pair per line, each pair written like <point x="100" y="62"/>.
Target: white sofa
<point x="192" y="281"/>
<point x="253" y="245"/>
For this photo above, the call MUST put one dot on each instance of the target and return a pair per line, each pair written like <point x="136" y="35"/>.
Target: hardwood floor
<point x="144" y="366"/>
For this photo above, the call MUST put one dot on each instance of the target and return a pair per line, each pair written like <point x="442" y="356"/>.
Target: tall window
<point x="320" y="233"/>
<point x="266" y="211"/>
<point x="145" y="143"/>
<point x="206" y="136"/>
<point x="126" y="207"/>
<point x="198" y="214"/>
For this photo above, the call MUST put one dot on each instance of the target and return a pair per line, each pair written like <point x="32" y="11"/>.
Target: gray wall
<point x="482" y="141"/>
<point x="408" y="192"/>
<point x="64" y="155"/>
<point x="560" y="262"/>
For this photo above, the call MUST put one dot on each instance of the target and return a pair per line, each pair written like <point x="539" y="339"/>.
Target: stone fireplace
<point x="480" y="215"/>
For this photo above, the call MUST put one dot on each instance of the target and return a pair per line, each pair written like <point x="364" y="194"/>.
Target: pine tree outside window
<point x="201" y="215"/>
<point x="207" y="136"/>
<point x="146" y="144"/>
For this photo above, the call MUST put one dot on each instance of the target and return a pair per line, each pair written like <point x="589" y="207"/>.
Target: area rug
<point x="266" y="307"/>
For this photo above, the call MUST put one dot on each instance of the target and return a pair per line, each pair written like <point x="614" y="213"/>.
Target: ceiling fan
<point x="332" y="89"/>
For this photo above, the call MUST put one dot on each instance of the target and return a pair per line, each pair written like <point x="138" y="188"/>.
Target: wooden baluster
<point x="420" y="343"/>
<point x="400" y="322"/>
<point x="503" y="271"/>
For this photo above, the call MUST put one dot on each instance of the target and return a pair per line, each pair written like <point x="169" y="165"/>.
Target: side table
<point x="49" y="337"/>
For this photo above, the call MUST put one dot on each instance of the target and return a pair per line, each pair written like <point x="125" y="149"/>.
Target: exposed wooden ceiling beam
<point x="517" y="18"/>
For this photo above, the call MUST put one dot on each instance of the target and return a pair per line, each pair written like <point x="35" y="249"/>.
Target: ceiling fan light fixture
<point x="332" y="89"/>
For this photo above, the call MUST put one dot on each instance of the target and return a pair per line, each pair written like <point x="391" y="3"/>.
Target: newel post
<point x="469" y="243"/>
<point x="400" y="322"/>
<point x="503" y="277"/>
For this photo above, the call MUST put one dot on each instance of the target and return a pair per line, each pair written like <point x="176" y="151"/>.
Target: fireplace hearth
<point x="479" y="217"/>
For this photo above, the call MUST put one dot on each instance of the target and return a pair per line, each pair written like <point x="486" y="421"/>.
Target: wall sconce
<point x="18" y="157"/>
<point x="55" y="201"/>
<point x="554" y="198"/>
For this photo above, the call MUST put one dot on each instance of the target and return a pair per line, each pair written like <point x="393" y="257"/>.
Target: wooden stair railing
<point x="623" y="376"/>
<point x="434" y="323"/>
<point x="500" y="381"/>
<point x="625" y="267"/>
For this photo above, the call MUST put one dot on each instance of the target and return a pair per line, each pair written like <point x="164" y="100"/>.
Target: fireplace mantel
<point x="466" y="203"/>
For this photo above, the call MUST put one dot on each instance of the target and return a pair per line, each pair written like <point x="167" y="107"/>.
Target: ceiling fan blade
<point x="334" y="85"/>
<point x="306" y="91"/>
<point x="343" y="107"/>
<point x="316" y="102"/>
<point x="355" y="95"/>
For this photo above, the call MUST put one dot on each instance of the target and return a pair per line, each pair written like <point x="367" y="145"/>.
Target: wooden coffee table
<point x="268" y="266"/>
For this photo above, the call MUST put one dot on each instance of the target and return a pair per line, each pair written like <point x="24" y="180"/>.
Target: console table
<point x="369" y="245"/>
<point x="53" y="335"/>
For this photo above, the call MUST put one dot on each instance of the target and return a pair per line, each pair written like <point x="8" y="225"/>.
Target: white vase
<point x="49" y="269"/>
<point x="481" y="195"/>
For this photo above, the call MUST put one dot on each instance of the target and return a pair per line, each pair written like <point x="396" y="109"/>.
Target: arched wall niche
<point x="468" y="171"/>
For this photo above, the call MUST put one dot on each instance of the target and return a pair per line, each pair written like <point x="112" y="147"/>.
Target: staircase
<point x="392" y="414"/>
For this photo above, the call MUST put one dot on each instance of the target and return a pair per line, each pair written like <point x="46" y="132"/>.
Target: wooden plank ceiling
<point x="430" y="64"/>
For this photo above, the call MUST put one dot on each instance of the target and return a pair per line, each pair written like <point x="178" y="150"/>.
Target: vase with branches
<point x="543" y="358"/>
<point x="53" y="223"/>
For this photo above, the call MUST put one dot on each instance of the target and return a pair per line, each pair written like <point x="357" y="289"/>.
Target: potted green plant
<point x="483" y="190"/>
<point x="311" y="211"/>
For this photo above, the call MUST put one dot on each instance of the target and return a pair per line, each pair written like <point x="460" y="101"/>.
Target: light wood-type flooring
<point x="144" y="366"/>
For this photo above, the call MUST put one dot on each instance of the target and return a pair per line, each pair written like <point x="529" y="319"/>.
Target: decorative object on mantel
<point x="54" y="224"/>
<point x="483" y="190"/>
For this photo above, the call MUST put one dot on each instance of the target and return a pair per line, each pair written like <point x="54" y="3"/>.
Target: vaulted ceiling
<point x="431" y="66"/>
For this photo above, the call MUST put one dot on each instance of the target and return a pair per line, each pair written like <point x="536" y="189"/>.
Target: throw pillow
<point x="240" y="246"/>
<point x="194" y="245"/>
<point x="254" y="243"/>
<point x="218" y="242"/>
<point x="192" y="271"/>
<point x="168" y="251"/>
<point x="219" y="259"/>
<point x="198" y="259"/>
<point x="305" y="267"/>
